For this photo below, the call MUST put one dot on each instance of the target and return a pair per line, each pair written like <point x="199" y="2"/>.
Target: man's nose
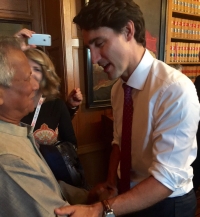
<point x="95" y="56"/>
<point x="35" y="84"/>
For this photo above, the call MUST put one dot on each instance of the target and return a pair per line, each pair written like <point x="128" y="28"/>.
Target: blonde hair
<point x="50" y="83"/>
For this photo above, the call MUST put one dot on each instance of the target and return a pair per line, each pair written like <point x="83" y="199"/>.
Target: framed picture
<point x="154" y="13"/>
<point x="9" y="28"/>
<point x="98" y="85"/>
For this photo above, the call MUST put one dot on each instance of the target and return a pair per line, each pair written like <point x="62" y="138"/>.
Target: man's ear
<point x="129" y="30"/>
<point x="1" y="96"/>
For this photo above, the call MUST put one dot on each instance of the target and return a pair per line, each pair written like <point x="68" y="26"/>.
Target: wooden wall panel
<point x="22" y="11"/>
<point x="37" y="16"/>
<point x="55" y="53"/>
<point x="87" y="124"/>
<point x="75" y="8"/>
<point x="78" y="68"/>
<point x="52" y="26"/>
<point x="67" y="43"/>
<point x="95" y="166"/>
<point x="19" y="6"/>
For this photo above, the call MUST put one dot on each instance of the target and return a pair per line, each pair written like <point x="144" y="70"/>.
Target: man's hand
<point x="75" y="98"/>
<point x="22" y="35"/>
<point x="101" y="192"/>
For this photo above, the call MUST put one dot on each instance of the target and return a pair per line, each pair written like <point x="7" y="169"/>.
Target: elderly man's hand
<point x="95" y="210"/>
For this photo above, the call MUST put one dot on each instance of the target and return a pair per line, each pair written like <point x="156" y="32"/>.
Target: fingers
<point x="25" y="47"/>
<point x="78" y="95"/>
<point x="65" y="210"/>
<point x="74" y="98"/>
<point x="72" y="92"/>
<point x="77" y="89"/>
<point x="24" y="33"/>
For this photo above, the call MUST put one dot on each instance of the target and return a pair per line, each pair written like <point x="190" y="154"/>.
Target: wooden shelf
<point x="184" y="63"/>
<point x="179" y="39"/>
<point x="170" y="38"/>
<point x="185" y="14"/>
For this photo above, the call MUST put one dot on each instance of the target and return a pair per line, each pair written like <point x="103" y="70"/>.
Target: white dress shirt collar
<point x="136" y="80"/>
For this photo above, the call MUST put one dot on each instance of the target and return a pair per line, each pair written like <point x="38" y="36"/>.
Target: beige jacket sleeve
<point x="25" y="190"/>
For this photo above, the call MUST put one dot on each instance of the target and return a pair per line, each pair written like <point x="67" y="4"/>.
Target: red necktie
<point x="125" y="163"/>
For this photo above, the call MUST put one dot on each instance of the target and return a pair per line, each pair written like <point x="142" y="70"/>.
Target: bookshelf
<point x="183" y="36"/>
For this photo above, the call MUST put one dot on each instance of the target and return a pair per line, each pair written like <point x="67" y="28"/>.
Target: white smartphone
<point x="40" y="39"/>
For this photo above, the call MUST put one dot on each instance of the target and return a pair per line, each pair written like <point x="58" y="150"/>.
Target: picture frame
<point x="155" y="24"/>
<point x="98" y="85"/>
<point x="155" y="35"/>
<point x="10" y="27"/>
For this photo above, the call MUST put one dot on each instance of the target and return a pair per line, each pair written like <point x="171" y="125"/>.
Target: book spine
<point x="190" y="29"/>
<point x="175" y="5"/>
<point x="171" y="53"/>
<point x="198" y="7"/>
<point x="187" y="51"/>
<point x="195" y="6"/>
<point x="179" y="25"/>
<point x="175" y="27"/>
<point x="181" y="52"/>
<point x="172" y="27"/>
<point x="186" y="28"/>
<point x="193" y="29"/>
<point x="178" y="52"/>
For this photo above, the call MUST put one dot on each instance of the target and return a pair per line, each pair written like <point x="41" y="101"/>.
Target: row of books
<point x="186" y="6"/>
<point x="184" y="52"/>
<point x="183" y="28"/>
<point x="191" y="71"/>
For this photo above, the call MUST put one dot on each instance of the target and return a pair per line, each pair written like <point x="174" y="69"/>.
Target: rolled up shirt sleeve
<point x="174" y="135"/>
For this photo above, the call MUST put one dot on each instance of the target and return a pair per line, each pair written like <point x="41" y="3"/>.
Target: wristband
<point x="107" y="211"/>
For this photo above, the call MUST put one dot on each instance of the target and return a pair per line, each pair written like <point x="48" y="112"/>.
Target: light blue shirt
<point x="27" y="185"/>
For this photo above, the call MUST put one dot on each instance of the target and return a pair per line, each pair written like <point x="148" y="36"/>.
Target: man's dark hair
<point x="114" y="14"/>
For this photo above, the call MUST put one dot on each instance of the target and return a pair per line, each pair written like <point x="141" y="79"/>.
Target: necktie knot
<point x="127" y="91"/>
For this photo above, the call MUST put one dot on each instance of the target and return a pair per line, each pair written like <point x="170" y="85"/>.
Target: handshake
<point x="101" y="192"/>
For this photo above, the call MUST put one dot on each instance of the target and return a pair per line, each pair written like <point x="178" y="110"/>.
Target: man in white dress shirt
<point x="165" y="117"/>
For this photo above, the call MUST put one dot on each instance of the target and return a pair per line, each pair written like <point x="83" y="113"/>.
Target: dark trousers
<point x="196" y="163"/>
<point x="183" y="206"/>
